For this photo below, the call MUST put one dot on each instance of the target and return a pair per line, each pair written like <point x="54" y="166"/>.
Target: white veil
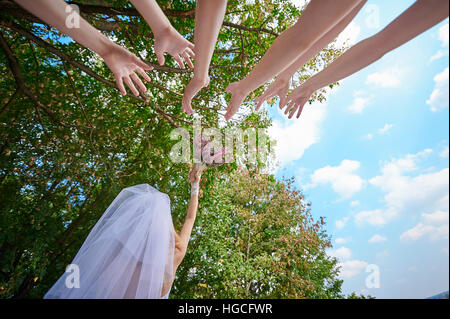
<point x="128" y="253"/>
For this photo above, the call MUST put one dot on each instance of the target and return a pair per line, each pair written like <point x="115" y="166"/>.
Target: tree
<point x="70" y="142"/>
<point x="255" y="238"/>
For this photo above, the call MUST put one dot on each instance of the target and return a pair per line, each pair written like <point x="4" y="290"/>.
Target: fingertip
<point x="161" y="60"/>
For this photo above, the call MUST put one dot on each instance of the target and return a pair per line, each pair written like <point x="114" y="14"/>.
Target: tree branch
<point x="16" y="10"/>
<point x="14" y="66"/>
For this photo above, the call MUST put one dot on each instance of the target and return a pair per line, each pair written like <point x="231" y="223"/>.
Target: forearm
<point x="318" y="19"/>
<point x="209" y="17"/>
<point x="192" y="208"/>
<point x="353" y="60"/>
<point x="189" y="221"/>
<point x="54" y="13"/>
<point x="153" y="14"/>
<point x="418" y="18"/>
<point x="320" y="44"/>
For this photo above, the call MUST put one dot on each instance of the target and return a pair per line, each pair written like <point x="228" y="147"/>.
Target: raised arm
<point x="56" y="12"/>
<point x="280" y="86"/>
<point x="418" y="18"/>
<point x="185" y="233"/>
<point x="167" y="39"/>
<point x="209" y="16"/>
<point x="122" y="63"/>
<point x="319" y="17"/>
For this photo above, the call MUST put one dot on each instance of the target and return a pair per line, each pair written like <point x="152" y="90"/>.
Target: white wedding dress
<point x="128" y="253"/>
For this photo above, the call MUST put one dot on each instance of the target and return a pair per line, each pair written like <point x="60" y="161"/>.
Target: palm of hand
<point x="277" y="88"/>
<point x="124" y="64"/>
<point x="177" y="46"/>
<point x="296" y="101"/>
<point x="195" y="174"/>
<point x="190" y="91"/>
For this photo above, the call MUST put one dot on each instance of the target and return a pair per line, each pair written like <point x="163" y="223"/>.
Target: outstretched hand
<point x="296" y="101"/>
<point x="279" y="87"/>
<point x="193" y="87"/>
<point x="179" y="48"/>
<point x="238" y="95"/>
<point x="196" y="173"/>
<point x="124" y="65"/>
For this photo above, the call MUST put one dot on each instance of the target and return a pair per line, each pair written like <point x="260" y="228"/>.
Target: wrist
<point x="105" y="46"/>
<point x="309" y="86"/>
<point x="283" y="78"/>
<point x="163" y="31"/>
<point x="200" y="79"/>
<point x="195" y="188"/>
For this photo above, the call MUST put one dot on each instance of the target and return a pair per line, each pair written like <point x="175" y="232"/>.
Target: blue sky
<point x="373" y="160"/>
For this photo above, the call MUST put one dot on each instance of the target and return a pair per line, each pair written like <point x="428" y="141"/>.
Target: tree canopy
<point x="70" y="142"/>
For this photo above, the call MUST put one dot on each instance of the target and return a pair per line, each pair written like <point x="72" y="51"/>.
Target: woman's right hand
<point x="125" y="65"/>
<point x="172" y="42"/>
<point x="279" y="87"/>
<point x="196" y="173"/>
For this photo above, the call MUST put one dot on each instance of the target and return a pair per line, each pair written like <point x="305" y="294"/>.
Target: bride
<point x="133" y="251"/>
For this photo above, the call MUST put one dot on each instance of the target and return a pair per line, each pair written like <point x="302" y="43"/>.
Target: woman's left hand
<point x="126" y="67"/>
<point x="296" y="101"/>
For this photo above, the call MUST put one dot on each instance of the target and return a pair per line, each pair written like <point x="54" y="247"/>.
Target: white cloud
<point x="443" y="35"/>
<point x="376" y="217"/>
<point x="343" y="178"/>
<point x="354" y="203"/>
<point x="294" y="137"/>
<point x="341" y="240"/>
<point x="349" y="35"/>
<point x="377" y="239"/>
<point x="423" y="193"/>
<point x="444" y="152"/>
<point x="341" y="223"/>
<point x="389" y="78"/>
<point x="299" y="3"/>
<point x="351" y="268"/>
<point x="438" y="55"/>
<point x="439" y="97"/>
<point x="359" y="104"/>
<point x="385" y="128"/>
<point x="433" y="226"/>
<point x="341" y="253"/>
<point x="435" y="218"/>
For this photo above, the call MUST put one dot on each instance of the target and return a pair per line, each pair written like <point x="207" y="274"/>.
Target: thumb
<point x="160" y="56"/>
<point x="142" y="64"/>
